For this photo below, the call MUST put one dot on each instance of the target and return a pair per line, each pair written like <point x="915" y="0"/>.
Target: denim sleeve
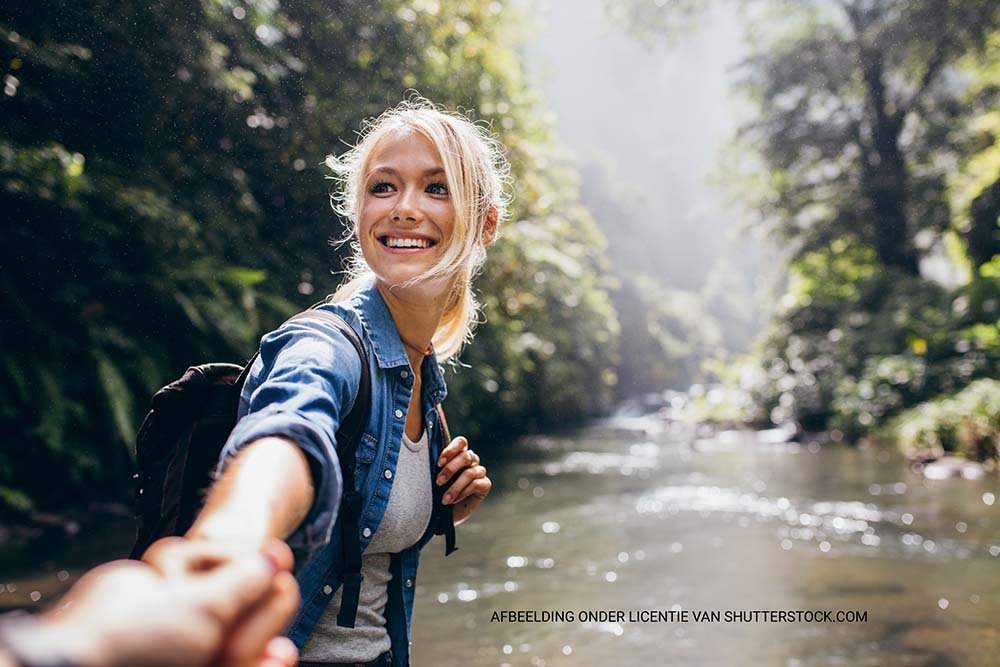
<point x="304" y="383"/>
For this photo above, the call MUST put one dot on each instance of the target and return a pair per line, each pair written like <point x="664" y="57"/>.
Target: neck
<point x="417" y="315"/>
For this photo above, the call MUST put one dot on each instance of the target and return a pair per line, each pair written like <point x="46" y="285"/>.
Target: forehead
<point x="405" y="149"/>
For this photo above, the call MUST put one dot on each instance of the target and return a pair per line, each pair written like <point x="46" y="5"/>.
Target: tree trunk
<point x="885" y="175"/>
<point x="983" y="237"/>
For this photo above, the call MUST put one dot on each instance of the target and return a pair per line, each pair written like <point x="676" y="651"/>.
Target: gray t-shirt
<point x="405" y="520"/>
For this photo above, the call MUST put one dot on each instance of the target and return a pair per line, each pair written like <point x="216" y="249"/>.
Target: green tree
<point x="863" y="109"/>
<point x="976" y="185"/>
<point x="161" y="179"/>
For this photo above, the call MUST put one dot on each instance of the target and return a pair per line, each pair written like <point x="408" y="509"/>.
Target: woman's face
<point x="407" y="216"/>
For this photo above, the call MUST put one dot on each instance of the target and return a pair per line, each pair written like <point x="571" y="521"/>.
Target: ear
<point x="490" y="226"/>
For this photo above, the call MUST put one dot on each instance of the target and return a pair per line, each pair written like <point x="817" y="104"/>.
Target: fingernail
<point x="440" y="462"/>
<point x="283" y="649"/>
<point x="446" y="499"/>
<point x="272" y="560"/>
<point x="440" y="480"/>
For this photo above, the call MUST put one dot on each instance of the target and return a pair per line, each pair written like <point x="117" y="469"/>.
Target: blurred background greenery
<point x="164" y="204"/>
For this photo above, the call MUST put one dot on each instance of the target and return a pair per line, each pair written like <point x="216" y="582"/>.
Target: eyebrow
<point x="433" y="171"/>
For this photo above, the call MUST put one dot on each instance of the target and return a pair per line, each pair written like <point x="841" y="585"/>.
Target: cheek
<point x="445" y="215"/>
<point x="371" y="211"/>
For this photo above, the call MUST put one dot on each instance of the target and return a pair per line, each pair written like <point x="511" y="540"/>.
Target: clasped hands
<point x="210" y="612"/>
<point x="205" y="602"/>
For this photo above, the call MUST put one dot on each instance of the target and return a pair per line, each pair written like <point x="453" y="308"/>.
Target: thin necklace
<point x="416" y="349"/>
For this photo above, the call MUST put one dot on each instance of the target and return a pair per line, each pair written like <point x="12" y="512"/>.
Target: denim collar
<point x="386" y="344"/>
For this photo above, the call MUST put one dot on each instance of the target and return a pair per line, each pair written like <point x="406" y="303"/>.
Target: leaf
<point x="244" y="277"/>
<point x="119" y="399"/>
<point x="15" y="500"/>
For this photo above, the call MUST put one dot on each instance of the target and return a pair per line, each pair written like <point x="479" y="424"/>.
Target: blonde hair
<point x="476" y="172"/>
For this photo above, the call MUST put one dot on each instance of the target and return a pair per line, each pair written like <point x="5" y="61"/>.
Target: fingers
<point x="280" y="652"/>
<point x="477" y="490"/>
<point x="466" y="485"/>
<point x="252" y="639"/>
<point x="109" y="581"/>
<point x="462" y="459"/>
<point x="279" y="554"/>
<point x="471" y="498"/>
<point x="163" y="555"/>
<point x="457" y="445"/>
<point x="231" y="590"/>
<point x="177" y="556"/>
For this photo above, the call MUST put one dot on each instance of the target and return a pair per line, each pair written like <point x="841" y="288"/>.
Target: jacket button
<point x="367" y="532"/>
<point x="404" y="374"/>
<point x="327" y="589"/>
<point x="387" y="473"/>
<point x="409" y="583"/>
<point x="399" y="414"/>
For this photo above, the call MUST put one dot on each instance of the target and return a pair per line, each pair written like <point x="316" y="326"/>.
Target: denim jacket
<point x="303" y="383"/>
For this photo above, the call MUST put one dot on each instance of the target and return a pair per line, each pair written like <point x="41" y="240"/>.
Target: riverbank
<point x="966" y="424"/>
<point x="952" y="435"/>
<point x="42" y="554"/>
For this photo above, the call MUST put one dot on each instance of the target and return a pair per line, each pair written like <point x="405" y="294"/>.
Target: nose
<point x="407" y="207"/>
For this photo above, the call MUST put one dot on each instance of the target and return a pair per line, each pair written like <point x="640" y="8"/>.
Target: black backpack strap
<point x="348" y="438"/>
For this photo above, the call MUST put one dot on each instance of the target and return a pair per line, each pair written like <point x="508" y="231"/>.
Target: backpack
<point x="181" y="438"/>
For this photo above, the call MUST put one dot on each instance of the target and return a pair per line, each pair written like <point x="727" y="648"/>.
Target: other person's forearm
<point x="265" y="492"/>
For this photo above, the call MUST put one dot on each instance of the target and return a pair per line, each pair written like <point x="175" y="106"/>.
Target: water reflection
<point x="631" y="516"/>
<point x="647" y="516"/>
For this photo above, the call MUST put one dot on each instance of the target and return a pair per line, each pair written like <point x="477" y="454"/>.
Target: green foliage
<point x="974" y="187"/>
<point x="966" y="423"/>
<point x="160" y="175"/>
<point x="723" y="405"/>
<point x="850" y="363"/>
<point x="872" y="154"/>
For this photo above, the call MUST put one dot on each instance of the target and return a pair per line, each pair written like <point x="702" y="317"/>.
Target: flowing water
<point x="632" y="517"/>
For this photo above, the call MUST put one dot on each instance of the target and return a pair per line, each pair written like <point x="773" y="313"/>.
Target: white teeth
<point x="393" y="242"/>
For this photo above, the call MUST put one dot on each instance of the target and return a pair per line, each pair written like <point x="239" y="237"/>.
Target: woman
<point x="424" y="192"/>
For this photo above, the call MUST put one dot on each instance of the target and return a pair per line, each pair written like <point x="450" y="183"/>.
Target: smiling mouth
<point x="403" y="242"/>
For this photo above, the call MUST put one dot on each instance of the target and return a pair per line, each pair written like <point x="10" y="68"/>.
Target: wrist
<point x="265" y="493"/>
<point x="231" y="530"/>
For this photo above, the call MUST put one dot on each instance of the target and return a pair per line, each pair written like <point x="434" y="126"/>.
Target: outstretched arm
<point x="265" y="493"/>
<point x="280" y="477"/>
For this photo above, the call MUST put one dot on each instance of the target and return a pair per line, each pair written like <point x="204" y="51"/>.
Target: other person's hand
<point x="126" y="614"/>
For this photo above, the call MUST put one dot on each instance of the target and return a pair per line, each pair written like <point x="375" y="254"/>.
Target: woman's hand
<point x="471" y="486"/>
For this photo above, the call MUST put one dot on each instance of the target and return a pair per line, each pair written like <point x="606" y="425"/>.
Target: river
<point x="635" y="516"/>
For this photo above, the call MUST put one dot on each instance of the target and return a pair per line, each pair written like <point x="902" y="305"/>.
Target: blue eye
<point x="437" y="189"/>
<point x="381" y="187"/>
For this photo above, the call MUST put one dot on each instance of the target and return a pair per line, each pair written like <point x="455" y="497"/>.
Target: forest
<point x="165" y="203"/>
